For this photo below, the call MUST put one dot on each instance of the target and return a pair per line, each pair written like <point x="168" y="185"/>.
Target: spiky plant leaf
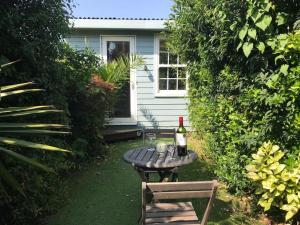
<point x="9" y="179"/>
<point x="25" y="159"/>
<point x="29" y="144"/>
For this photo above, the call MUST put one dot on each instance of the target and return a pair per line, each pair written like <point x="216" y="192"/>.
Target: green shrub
<point x="244" y="74"/>
<point x="277" y="183"/>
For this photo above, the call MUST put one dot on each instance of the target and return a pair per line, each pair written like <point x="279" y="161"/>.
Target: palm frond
<point x="15" y="86"/>
<point x="17" y="92"/>
<point x="26" y="160"/>
<point x="31" y="125"/>
<point x="29" y="144"/>
<point x="25" y="108"/>
<point x="34" y="131"/>
<point x="9" y="179"/>
<point x="32" y="112"/>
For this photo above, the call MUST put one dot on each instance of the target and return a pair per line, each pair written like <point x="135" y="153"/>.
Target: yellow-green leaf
<point x="284" y="69"/>
<point x="247" y="48"/>
<point x="281" y="187"/>
<point x="243" y="32"/>
<point x="252" y="33"/>
<point x="289" y="215"/>
<point x="253" y="176"/>
<point x="264" y="22"/>
<point x="251" y="168"/>
<point x="261" y="47"/>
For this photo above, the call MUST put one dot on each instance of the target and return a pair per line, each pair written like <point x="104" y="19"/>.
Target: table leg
<point x="143" y="175"/>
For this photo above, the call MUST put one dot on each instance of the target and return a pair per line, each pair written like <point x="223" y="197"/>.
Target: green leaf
<point x="233" y="26"/>
<point x="264" y="22"/>
<point x="289" y="215"/>
<point x="28" y="144"/>
<point x="281" y="19"/>
<point x="278" y="58"/>
<point x="239" y="46"/>
<point x="253" y="176"/>
<point x="5" y="94"/>
<point x="247" y="48"/>
<point x="15" y="86"/>
<point x="281" y="187"/>
<point x="252" y="33"/>
<point x="256" y="15"/>
<point x="32" y="112"/>
<point x="290" y="198"/>
<point x="278" y="155"/>
<point x="243" y="32"/>
<point x="26" y="160"/>
<point x="279" y="169"/>
<point x="251" y="168"/>
<point x="284" y="69"/>
<point x="10" y="180"/>
<point x="261" y="47"/>
<point x="271" y="43"/>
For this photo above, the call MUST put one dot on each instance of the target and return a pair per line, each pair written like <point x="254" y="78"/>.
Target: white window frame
<point x="165" y="93"/>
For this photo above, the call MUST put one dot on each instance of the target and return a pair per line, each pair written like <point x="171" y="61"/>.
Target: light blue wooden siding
<point x="155" y="111"/>
<point x="152" y="111"/>
<point x="81" y="42"/>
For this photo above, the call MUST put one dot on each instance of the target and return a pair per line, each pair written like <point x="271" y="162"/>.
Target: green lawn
<point x="109" y="193"/>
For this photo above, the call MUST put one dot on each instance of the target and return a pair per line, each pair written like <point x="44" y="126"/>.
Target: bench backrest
<point x="183" y="190"/>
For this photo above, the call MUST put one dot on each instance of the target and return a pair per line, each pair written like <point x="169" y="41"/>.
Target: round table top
<point x="147" y="158"/>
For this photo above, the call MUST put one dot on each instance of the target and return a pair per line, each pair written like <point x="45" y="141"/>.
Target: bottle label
<point x="180" y="139"/>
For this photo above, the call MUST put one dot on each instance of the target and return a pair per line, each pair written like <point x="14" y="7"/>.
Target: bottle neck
<point x="180" y="121"/>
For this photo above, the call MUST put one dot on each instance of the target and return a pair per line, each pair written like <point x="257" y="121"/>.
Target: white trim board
<point x="118" y="24"/>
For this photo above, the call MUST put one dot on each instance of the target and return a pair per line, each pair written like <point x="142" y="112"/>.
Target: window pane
<point x="163" y="84"/>
<point x="163" y="72"/>
<point x="163" y="58"/>
<point x="162" y="46"/>
<point x="173" y="59"/>
<point x="172" y="84"/>
<point x="173" y="72"/>
<point x="181" y="72"/>
<point x="181" y="84"/>
<point x="116" y="49"/>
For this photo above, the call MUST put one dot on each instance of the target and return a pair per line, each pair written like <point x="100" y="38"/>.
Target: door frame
<point x="132" y="120"/>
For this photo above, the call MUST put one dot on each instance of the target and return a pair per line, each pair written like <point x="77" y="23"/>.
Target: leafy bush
<point x="278" y="183"/>
<point x="244" y="76"/>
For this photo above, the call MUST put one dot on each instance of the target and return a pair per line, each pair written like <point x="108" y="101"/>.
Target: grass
<point x="109" y="193"/>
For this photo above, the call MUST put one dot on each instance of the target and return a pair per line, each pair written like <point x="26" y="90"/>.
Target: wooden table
<point x="147" y="161"/>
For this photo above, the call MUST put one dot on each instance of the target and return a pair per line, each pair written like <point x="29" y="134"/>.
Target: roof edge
<point x="119" y="23"/>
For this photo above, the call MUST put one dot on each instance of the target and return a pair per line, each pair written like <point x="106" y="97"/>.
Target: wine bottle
<point x="181" y="139"/>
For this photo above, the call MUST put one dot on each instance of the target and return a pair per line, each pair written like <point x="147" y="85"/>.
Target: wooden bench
<point x="178" y="213"/>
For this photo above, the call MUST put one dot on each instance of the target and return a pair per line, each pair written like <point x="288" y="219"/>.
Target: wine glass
<point x="151" y="139"/>
<point x="173" y="152"/>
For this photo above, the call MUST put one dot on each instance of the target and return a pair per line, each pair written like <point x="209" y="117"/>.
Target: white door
<point x="124" y="112"/>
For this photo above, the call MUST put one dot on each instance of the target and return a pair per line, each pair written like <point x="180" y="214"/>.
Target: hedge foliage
<point x="32" y="31"/>
<point x="244" y="77"/>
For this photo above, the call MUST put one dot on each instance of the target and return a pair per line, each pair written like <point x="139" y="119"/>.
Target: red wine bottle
<point x="181" y="139"/>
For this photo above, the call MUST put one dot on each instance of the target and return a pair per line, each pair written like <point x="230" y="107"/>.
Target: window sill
<point x="175" y="94"/>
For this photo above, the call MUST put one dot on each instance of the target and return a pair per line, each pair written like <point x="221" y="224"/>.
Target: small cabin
<point x="157" y="92"/>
